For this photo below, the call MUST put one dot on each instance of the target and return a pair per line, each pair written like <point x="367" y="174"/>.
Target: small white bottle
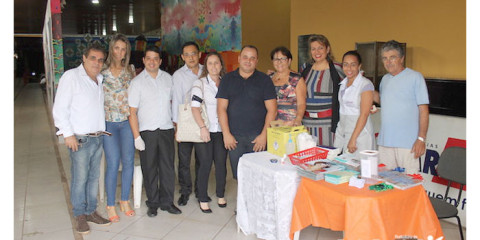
<point x="290" y="147"/>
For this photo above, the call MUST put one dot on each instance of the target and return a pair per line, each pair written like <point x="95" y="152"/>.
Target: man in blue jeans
<point x="79" y="115"/>
<point x="246" y="104"/>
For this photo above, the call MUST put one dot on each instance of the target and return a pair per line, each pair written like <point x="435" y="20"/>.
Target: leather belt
<point x="323" y="114"/>
<point x="96" y="134"/>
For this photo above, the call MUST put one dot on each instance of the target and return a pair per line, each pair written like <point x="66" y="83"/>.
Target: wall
<point x="266" y="25"/>
<point x="434" y="30"/>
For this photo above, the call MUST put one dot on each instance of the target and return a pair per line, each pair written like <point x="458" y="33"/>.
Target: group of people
<point x="102" y="105"/>
<point x="334" y="101"/>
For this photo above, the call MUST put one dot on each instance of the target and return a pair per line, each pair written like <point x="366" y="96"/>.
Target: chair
<point x="452" y="167"/>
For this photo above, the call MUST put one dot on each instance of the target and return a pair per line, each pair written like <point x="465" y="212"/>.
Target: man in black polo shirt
<point x="246" y="104"/>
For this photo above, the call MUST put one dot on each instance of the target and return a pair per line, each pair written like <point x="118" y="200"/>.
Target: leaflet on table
<point x="349" y="160"/>
<point x="399" y="180"/>
<point x="339" y="177"/>
<point x="332" y="152"/>
<point x="316" y="169"/>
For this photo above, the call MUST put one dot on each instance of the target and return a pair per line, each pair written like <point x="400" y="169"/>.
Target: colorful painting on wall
<point x="73" y="47"/>
<point x="212" y="24"/>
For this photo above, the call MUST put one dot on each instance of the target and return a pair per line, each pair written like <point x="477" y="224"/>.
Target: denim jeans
<point x="244" y="145"/>
<point x="85" y="170"/>
<point x="118" y="147"/>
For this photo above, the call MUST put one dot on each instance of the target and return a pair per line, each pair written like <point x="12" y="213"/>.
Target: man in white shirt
<point x="79" y="115"/>
<point x="183" y="80"/>
<point x="149" y="97"/>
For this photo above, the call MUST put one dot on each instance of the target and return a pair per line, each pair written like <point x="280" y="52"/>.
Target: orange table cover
<point x="364" y="214"/>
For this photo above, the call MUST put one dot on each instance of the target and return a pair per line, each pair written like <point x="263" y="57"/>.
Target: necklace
<point x="277" y="77"/>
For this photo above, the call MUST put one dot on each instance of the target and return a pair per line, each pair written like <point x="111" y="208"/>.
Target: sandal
<point x="125" y="207"/>
<point x="112" y="214"/>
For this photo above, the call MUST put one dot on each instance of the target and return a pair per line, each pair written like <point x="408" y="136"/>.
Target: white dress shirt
<point x="78" y="106"/>
<point x="210" y="90"/>
<point x="183" y="80"/>
<point x="152" y="99"/>
<point x="350" y="97"/>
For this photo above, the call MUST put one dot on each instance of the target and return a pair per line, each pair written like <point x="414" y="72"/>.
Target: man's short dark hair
<point x="393" y="45"/>
<point x="96" y="47"/>
<point x="190" y="43"/>
<point x="153" y="49"/>
<point x="249" y="46"/>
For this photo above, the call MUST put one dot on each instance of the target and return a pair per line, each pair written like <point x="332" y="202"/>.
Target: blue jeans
<point x="118" y="147"/>
<point x="85" y="170"/>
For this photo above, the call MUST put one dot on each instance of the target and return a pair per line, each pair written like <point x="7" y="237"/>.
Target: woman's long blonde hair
<point x="125" y="62"/>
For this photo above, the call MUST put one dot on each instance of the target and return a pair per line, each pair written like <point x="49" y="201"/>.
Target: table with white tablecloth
<point x="266" y="192"/>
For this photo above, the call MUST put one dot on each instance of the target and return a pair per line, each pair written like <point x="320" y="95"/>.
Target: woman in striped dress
<point x="322" y="77"/>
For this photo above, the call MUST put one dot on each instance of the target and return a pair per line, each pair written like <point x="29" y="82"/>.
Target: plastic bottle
<point x="289" y="147"/>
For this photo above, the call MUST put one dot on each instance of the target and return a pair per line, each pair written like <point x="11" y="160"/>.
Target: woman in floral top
<point x="118" y="147"/>
<point x="290" y="88"/>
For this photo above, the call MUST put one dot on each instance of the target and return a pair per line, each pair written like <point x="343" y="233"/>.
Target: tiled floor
<point x="41" y="205"/>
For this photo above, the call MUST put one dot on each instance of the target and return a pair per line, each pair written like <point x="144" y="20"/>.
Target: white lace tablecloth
<point x="265" y="195"/>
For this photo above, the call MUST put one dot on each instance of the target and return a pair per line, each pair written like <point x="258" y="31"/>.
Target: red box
<point x="307" y="155"/>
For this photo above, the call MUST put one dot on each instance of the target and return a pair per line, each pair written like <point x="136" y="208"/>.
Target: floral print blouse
<point x="287" y="98"/>
<point x="116" y="96"/>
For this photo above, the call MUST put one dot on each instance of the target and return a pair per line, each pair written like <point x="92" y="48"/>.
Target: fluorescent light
<point x="114" y="19"/>
<point x="95" y="2"/>
<point x="104" y="29"/>
<point x="130" y="13"/>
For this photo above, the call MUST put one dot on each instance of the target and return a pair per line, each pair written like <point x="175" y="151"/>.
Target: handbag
<point x="187" y="128"/>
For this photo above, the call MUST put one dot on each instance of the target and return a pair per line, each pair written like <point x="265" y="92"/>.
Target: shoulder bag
<point x="187" y="128"/>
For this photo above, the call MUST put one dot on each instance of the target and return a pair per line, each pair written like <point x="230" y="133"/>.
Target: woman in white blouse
<point x="354" y="130"/>
<point x="213" y="149"/>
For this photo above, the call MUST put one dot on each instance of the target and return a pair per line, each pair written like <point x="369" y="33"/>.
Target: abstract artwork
<point x="212" y="24"/>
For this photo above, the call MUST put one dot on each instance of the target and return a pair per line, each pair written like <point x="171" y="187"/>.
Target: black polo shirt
<point x="246" y="101"/>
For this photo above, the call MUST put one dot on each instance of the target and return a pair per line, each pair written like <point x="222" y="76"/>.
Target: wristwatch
<point x="421" y="139"/>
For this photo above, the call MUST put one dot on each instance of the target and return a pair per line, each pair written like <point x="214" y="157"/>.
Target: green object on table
<point x="380" y="187"/>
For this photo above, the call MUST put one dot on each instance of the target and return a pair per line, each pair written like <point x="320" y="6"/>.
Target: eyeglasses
<point x="284" y="59"/>
<point x="192" y="54"/>
<point x="390" y="59"/>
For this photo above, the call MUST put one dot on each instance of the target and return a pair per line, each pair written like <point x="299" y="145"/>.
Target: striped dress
<point x="318" y="114"/>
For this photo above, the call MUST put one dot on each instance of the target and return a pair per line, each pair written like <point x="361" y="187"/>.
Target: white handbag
<point x="187" y="128"/>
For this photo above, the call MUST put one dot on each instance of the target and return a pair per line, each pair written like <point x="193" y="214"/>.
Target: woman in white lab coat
<point x="354" y="131"/>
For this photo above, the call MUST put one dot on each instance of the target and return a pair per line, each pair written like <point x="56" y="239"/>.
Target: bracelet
<point x="421" y="139"/>
<point x="203" y="127"/>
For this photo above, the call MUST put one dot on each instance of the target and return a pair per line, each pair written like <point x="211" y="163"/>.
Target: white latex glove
<point x="139" y="143"/>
